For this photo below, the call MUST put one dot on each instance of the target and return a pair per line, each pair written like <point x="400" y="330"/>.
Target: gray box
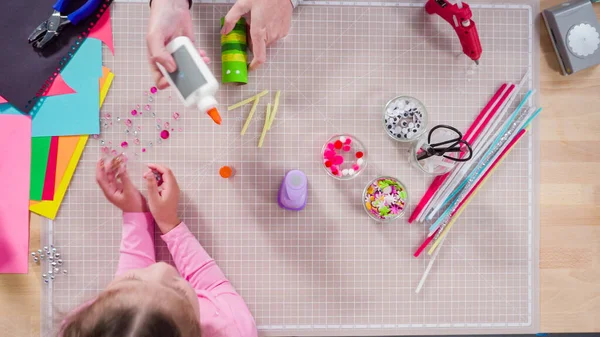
<point x="574" y="30"/>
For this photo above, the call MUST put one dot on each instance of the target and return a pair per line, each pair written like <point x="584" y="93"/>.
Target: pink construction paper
<point x="15" y="151"/>
<point x="48" y="191"/>
<point x="58" y="87"/>
<point x="103" y="31"/>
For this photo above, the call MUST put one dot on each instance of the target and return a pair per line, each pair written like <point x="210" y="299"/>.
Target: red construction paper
<point x="103" y="31"/>
<point x="48" y="192"/>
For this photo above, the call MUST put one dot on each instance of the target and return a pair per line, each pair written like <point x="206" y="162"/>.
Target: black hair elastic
<point x="438" y="149"/>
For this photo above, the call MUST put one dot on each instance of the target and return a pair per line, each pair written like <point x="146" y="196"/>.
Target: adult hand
<point x="269" y="21"/>
<point x="163" y="201"/>
<point x="118" y="188"/>
<point x="168" y="20"/>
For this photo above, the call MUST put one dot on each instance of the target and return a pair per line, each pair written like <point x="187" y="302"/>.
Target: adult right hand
<point x="168" y="20"/>
<point x="163" y="201"/>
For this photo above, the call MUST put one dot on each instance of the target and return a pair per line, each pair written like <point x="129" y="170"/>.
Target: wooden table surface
<point x="570" y="209"/>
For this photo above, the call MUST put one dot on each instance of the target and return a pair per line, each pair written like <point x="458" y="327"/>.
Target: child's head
<point x="153" y="301"/>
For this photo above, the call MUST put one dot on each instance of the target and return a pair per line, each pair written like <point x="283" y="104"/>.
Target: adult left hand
<point x="269" y="21"/>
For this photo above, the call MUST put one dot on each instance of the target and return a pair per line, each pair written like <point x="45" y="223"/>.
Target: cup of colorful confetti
<point x="344" y="157"/>
<point x="405" y="119"/>
<point x="385" y="199"/>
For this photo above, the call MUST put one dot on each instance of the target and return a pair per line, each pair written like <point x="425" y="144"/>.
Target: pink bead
<point x="153" y="90"/>
<point x="335" y="169"/>
<point x="134" y="112"/>
<point x="346" y="148"/>
<point x="338" y="160"/>
<point x="331" y="146"/>
<point x="124" y="145"/>
<point x="164" y="134"/>
<point x="144" y="149"/>
<point x="355" y="167"/>
<point x="329" y="154"/>
<point x="348" y="141"/>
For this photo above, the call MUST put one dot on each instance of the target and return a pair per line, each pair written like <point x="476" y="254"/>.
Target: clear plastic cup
<point x="343" y="157"/>
<point x="434" y="165"/>
<point x="405" y="119"/>
<point x="385" y="199"/>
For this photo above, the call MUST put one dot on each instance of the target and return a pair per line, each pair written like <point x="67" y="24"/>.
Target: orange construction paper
<point x="103" y="31"/>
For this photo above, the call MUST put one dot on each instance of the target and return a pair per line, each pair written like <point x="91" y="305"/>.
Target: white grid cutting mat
<point x="327" y="270"/>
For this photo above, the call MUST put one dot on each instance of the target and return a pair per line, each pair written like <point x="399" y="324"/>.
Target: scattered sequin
<point x="175" y="115"/>
<point x="150" y="144"/>
<point x="107" y="116"/>
<point x="137" y="106"/>
<point x="128" y="123"/>
<point x="385" y="198"/>
<point x="164" y="134"/>
<point x="105" y="150"/>
<point x="114" y="153"/>
<point x="139" y="128"/>
<point x="180" y="129"/>
<point x="153" y="90"/>
<point x="150" y="99"/>
<point x="147" y="107"/>
<point x="118" y="119"/>
<point x="144" y="149"/>
<point x="96" y="136"/>
<point x="158" y="127"/>
<point x="102" y="142"/>
<point x="167" y="125"/>
<point x="145" y="93"/>
<point x="136" y="141"/>
<point x="124" y="145"/>
<point x="134" y="112"/>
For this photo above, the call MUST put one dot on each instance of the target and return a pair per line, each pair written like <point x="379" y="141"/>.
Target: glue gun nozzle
<point x="476" y="62"/>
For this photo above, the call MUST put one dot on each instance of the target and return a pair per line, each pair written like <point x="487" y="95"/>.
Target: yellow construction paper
<point x="105" y="86"/>
<point x="49" y="209"/>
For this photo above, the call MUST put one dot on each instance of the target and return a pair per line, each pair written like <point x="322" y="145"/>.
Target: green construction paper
<point x="235" y="71"/>
<point x="40" y="149"/>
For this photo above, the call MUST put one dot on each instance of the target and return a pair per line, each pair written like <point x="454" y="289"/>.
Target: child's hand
<point x="118" y="188"/>
<point x="163" y="201"/>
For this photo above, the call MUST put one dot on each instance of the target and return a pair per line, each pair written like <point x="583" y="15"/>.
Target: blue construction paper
<point x="75" y="114"/>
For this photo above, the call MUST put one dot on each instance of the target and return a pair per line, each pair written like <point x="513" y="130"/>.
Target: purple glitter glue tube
<point x="293" y="191"/>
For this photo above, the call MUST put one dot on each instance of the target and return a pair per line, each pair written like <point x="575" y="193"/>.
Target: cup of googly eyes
<point x="405" y="119"/>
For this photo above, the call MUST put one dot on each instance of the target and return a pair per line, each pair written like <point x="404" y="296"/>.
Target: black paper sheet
<point x="24" y="70"/>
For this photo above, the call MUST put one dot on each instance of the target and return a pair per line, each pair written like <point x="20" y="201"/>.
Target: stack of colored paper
<point x="40" y="151"/>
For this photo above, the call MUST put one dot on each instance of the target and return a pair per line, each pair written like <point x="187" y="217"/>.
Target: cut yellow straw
<point x="250" y="116"/>
<point x="275" y="107"/>
<point x="266" y="126"/>
<point x="247" y="100"/>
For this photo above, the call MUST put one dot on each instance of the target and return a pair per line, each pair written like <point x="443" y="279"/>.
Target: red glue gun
<point x="459" y="17"/>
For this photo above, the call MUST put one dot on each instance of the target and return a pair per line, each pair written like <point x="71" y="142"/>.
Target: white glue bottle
<point x="193" y="81"/>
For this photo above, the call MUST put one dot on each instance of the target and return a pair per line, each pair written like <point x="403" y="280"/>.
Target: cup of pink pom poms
<point x="344" y="157"/>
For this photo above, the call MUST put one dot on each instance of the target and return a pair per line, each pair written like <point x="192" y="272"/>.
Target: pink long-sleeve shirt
<point x="223" y="312"/>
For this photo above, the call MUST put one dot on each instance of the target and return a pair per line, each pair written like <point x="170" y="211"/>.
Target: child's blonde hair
<point x="108" y="316"/>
